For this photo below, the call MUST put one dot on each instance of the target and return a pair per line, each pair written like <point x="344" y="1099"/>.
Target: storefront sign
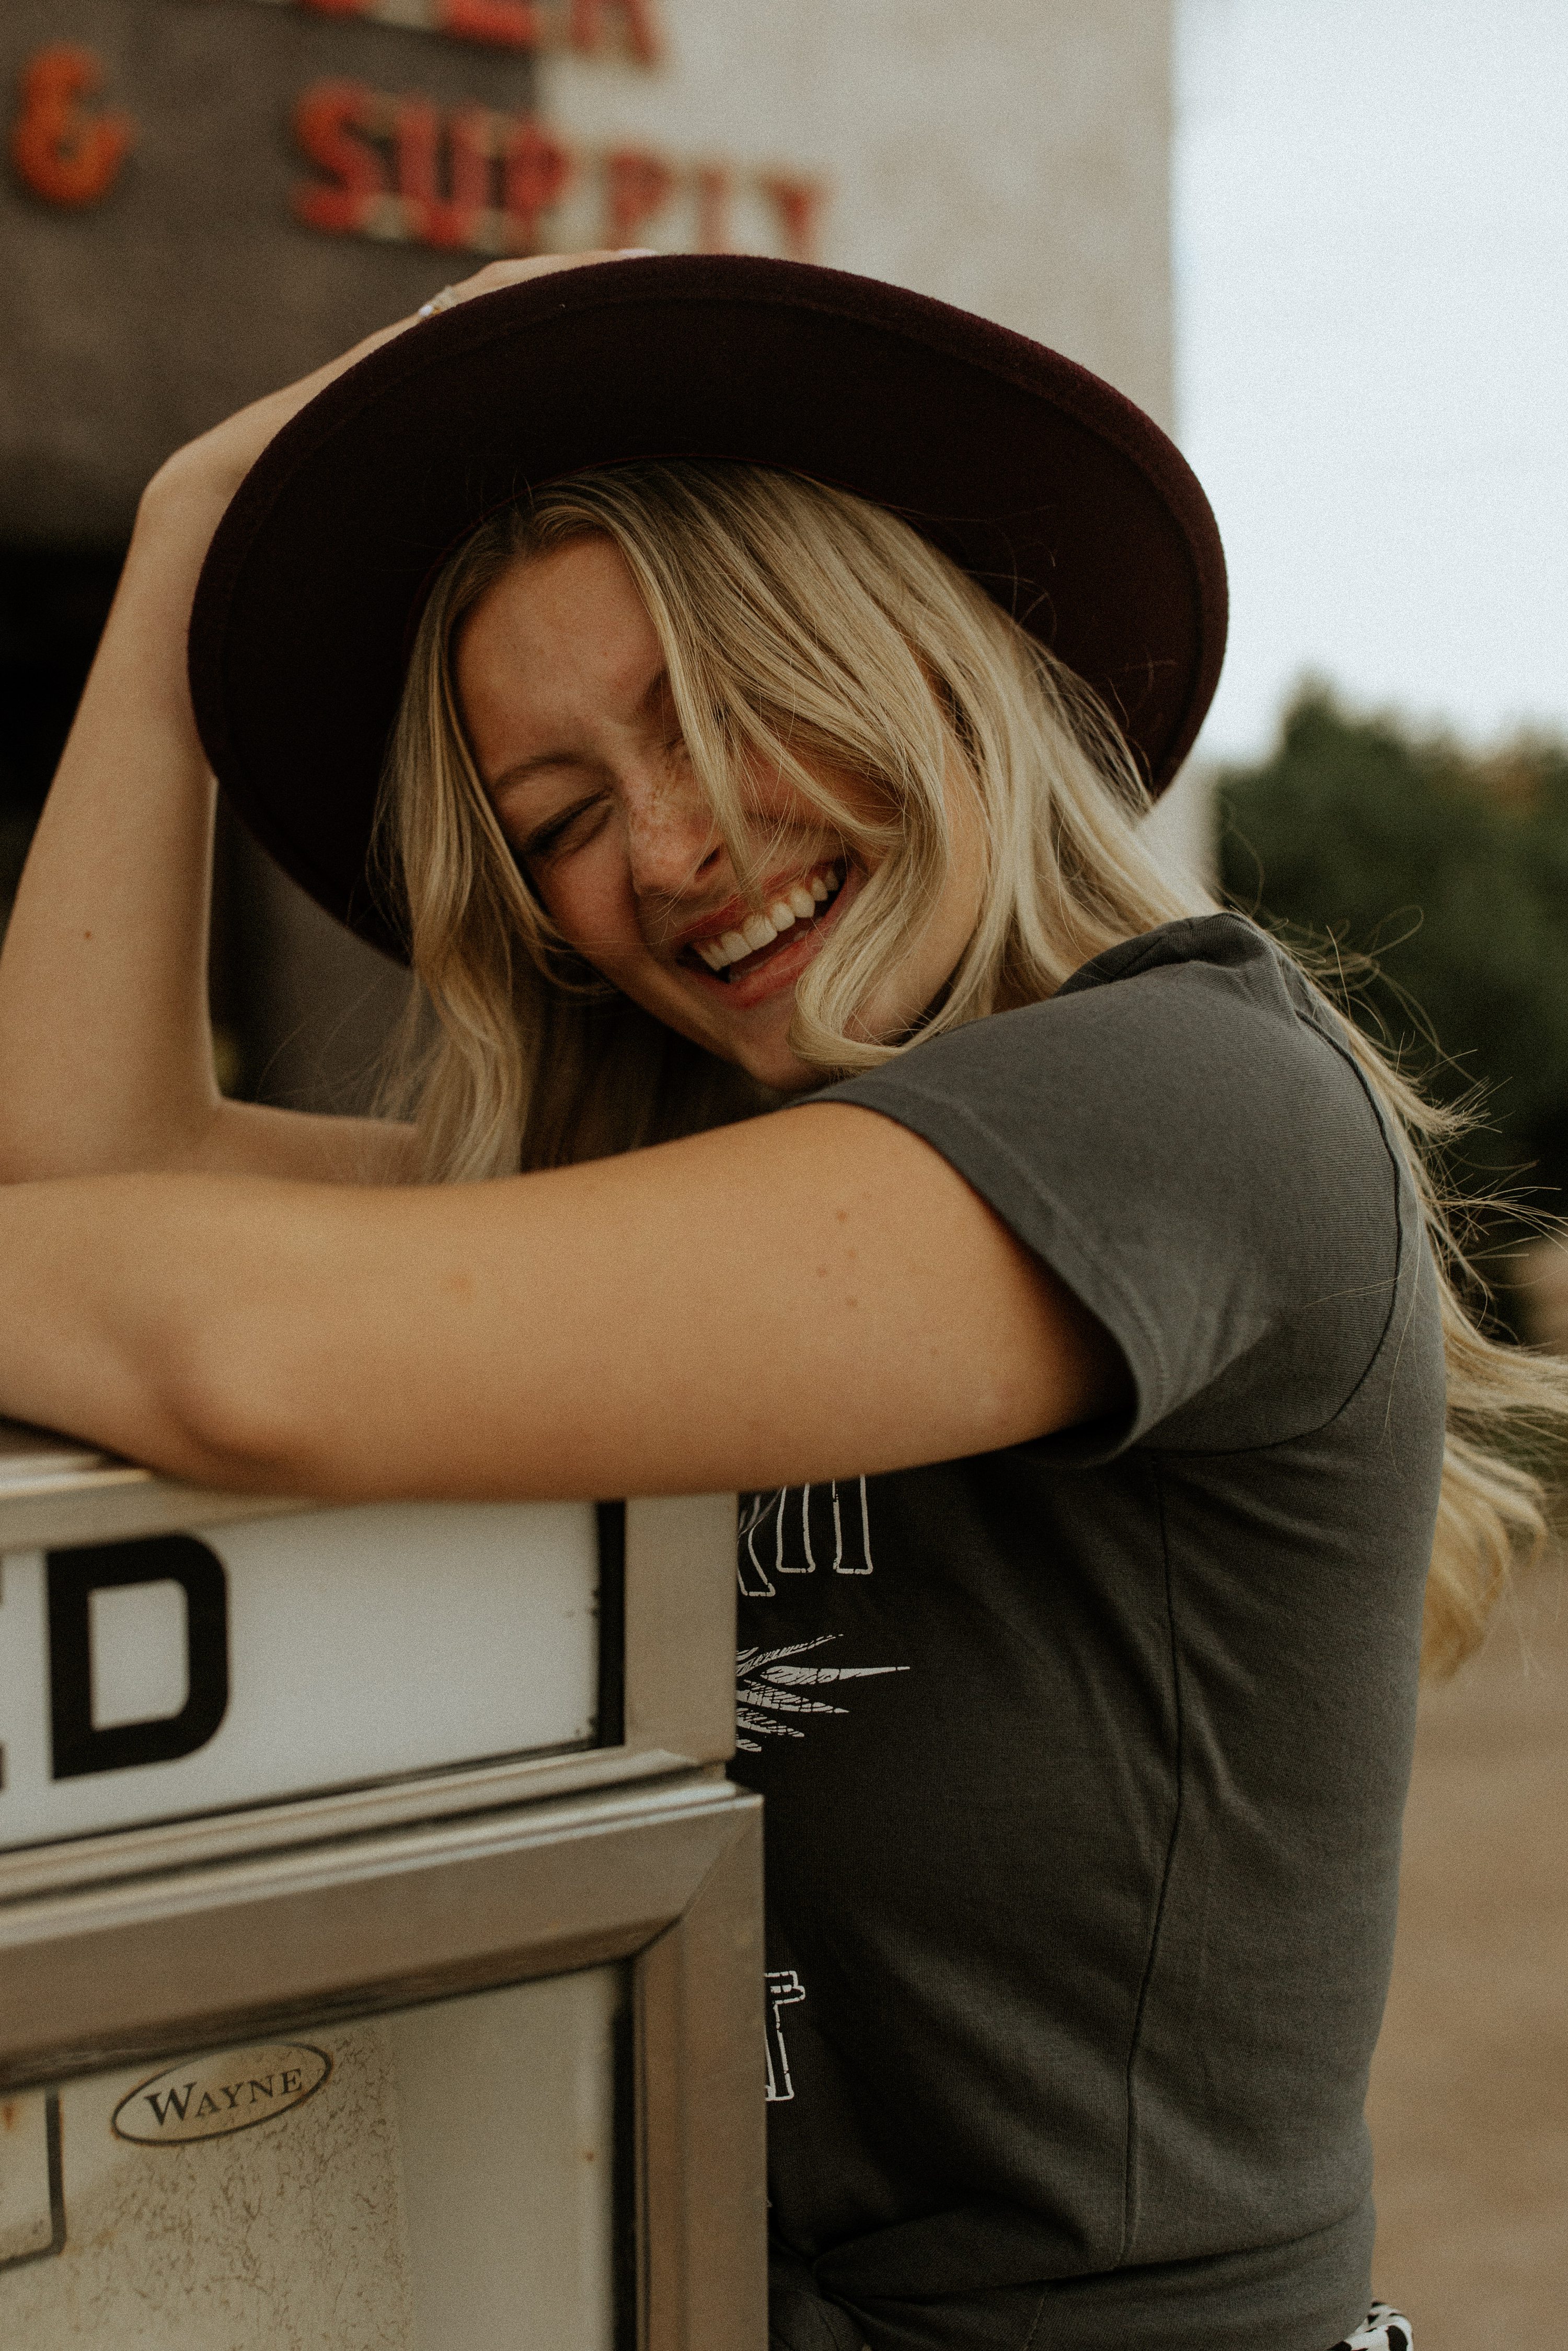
<point x="403" y="169"/>
<point x="593" y="27"/>
<point x="467" y="178"/>
<point x="61" y="149"/>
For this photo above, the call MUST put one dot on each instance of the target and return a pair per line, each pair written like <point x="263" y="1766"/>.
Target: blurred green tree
<point x="1449" y="871"/>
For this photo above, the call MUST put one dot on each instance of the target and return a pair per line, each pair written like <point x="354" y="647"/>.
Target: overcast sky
<point x="1372" y="275"/>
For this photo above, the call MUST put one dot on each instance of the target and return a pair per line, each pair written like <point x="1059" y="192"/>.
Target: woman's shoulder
<point x="1201" y="1019"/>
<point x="1221" y="960"/>
<point x="1184" y="1135"/>
<point x="1187" y="1093"/>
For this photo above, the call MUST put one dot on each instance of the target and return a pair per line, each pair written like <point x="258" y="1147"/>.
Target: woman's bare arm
<point x="105" y="1059"/>
<point x="804" y="1296"/>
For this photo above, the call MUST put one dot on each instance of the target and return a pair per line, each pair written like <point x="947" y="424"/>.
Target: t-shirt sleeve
<point x="1186" y="1144"/>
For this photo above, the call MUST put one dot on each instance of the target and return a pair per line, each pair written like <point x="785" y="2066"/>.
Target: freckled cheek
<point x="597" y="913"/>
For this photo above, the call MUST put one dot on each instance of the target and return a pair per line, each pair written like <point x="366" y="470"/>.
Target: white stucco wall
<point x="1012" y="155"/>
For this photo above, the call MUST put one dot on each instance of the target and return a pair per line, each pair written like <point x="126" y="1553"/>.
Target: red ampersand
<point x="65" y="154"/>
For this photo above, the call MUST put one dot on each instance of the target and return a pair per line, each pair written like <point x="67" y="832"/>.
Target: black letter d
<point x="79" y="1748"/>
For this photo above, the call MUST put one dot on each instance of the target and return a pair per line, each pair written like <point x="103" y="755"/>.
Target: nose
<point x="671" y="842"/>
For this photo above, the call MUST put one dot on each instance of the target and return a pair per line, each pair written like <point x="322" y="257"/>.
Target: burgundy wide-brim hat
<point x="1068" y="504"/>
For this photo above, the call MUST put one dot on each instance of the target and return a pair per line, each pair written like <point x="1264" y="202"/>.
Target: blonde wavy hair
<point x="807" y="633"/>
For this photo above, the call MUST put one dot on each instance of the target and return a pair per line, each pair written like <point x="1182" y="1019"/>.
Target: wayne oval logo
<point x="212" y="2097"/>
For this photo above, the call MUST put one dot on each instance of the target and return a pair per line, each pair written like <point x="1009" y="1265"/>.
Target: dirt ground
<point x="1469" y="2089"/>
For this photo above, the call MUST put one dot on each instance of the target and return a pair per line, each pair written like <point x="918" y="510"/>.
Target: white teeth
<point x="799" y="900"/>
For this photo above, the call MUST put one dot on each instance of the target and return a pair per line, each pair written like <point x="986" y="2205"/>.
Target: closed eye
<point x="570" y="828"/>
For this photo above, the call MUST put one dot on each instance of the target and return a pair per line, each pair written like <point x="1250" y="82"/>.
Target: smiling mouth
<point x="737" y="954"/>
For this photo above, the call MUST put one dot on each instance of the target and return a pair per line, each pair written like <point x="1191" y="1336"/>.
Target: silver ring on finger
<point x="445" y="300"/>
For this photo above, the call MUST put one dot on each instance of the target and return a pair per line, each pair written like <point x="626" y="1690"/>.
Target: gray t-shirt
<point x="1084" y="1761"/>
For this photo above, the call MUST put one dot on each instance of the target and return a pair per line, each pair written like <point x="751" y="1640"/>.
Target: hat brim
<point x="1068" y="505"/>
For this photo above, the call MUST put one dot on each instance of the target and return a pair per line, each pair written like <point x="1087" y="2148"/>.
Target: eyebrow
<point x="657" y="686"/>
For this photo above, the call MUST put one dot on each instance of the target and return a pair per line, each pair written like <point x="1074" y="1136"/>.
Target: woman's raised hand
<point x="219" y="460"/>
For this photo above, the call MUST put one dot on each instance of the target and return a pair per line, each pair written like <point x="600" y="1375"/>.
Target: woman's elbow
<point x="226" y="1414"/>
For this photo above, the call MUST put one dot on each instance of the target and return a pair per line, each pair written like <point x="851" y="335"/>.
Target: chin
<point x="779" y="1070"/>
<point x="794" y="1078"/>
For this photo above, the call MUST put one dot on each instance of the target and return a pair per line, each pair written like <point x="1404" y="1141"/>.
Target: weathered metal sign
<point x="213" y="2097"/>
<point x="440" y="2179"/>
<point x="188" y="1673"/>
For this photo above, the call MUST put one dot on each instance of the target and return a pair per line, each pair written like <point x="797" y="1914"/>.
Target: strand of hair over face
<point x="817" y="641"/>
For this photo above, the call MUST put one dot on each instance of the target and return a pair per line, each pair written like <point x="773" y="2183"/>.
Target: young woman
<point x="727" y="682"/>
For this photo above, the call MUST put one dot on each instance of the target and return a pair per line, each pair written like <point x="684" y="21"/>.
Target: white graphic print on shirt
<point x="784" y="1988"/>
<point x="835" y="1524"/>
<point x="791" y="1531"/>
<point x="766" y="1686"/>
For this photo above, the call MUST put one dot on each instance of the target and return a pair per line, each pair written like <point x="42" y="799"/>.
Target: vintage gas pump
<point x="379" y="1938"/>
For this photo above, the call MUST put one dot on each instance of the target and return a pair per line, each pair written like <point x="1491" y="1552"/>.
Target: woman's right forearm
<point x="105" y="1041"/>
